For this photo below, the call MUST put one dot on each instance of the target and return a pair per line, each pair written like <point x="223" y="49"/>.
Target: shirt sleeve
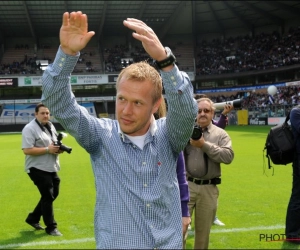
<point x="182" y="107"/>
<point x="295" y="123"/>
<point x="222" y="122"/>
<point x="295" y="120"/>
<point x="183" y="186"/>
<point x="59" y="98"/>
<point x="222" y="151"/>
<point x="28" y="138"/>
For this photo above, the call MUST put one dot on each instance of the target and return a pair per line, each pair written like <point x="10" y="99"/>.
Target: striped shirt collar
<point x="152" y="129"/>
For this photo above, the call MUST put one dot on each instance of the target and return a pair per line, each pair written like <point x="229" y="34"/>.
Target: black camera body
<point x="197" y="133"/>
<point x="62" y="147"/>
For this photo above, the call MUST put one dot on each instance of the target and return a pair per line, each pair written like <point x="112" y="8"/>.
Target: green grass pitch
<point x="252" y="201"/>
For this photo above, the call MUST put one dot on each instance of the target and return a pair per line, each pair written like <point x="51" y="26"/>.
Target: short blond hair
<point x="143" y="71"/>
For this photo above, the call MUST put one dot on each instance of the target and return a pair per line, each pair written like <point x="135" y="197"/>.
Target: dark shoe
<point x="54" y="232"/>
<point x="36" y="226"/>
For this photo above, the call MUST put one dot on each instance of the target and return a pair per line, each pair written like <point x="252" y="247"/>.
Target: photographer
<point x="42" y="165"/>
<point x="221" y="123"/>
<point x="203" y="158"/>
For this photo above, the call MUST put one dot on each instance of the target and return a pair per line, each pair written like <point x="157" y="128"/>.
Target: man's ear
<point x="156" y="105"/>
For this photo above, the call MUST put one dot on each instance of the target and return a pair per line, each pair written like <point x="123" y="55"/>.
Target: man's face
<point x="43" y="115"/>
<point x="134" y="106"/>
<point x="205" y="114"/>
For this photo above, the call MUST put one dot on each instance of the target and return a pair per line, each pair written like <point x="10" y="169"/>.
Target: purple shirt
<point x="222" y="122"/>
<point x="183" y="186"/>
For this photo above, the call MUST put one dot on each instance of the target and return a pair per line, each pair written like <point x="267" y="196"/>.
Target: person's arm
<point x="221" y="123"/>
<point x="295" y="119"/>
<point x="57" y="93"/>
<point x="295" y="123"/>
<point x="149" y="39"/>
<point x="223" y="118"/>
<point x="184" y="193"/>
<point x="183" y="186"/>
<point x="221" y="153"/>
<point x="182" y="107"/>
<point x="51" y="149"/>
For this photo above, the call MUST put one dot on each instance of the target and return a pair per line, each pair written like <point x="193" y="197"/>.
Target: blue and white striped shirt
<point x="137" y="194"/>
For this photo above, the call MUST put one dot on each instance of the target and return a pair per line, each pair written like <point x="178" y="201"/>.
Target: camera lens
<point x="197" y="133"/>
<point x="65" y="148"/>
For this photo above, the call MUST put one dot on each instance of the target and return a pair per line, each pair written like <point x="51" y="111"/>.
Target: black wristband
<point x="171" y="59"/>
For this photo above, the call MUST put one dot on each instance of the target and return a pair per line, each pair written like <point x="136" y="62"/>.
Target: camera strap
<point x="42" y="127"/>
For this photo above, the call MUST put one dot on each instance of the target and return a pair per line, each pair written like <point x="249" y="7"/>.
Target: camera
<point x="62" y="147"/>
<point x="197" y="133"/>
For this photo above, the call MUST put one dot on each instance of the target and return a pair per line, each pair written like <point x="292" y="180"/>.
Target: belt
<point x="214" y="181"/>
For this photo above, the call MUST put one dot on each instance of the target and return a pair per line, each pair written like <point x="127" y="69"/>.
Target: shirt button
<point x="172" y="77"/>
<point x="148" y="205"/>
<point x="174" y="83"/>
<point x="145" y="185"/>
<point x="144" y="163"/>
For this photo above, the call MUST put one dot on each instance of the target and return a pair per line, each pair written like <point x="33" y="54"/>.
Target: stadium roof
<point x="43" y="18"/>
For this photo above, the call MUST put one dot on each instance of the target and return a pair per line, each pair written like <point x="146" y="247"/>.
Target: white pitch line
<point x="46" y="243"/>
<point x="243" y="229"/>
<point x="64" y="242"/>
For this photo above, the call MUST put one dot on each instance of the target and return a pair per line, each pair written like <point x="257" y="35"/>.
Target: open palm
<point x="74" y="34"/>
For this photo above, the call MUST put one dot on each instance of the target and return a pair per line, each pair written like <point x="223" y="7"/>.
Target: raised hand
<point x="149" y="39"/>
<point x="227" y="109"/>
<point x="74" y="34"/>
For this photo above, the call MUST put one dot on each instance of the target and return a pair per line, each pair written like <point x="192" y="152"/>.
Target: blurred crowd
<point x="289" y="96"/>
<point x="232" y="55"/>
<point x="29" y="65"/>
<point x="239" y="54"/>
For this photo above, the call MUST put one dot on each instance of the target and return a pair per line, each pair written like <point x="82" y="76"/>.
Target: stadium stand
<point x="222" y="52"/>
<point x="239" y="54"/>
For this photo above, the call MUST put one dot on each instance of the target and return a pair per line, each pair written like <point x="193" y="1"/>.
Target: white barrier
<point x="24" y="113"/>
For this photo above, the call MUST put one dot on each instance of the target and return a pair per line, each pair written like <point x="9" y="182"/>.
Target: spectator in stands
<point x="134" y="157"/>
<point x="250" y="53"/>
<point x="42" y="165"/>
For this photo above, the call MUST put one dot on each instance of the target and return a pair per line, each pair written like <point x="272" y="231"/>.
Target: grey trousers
<point x="203" y="207"/>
